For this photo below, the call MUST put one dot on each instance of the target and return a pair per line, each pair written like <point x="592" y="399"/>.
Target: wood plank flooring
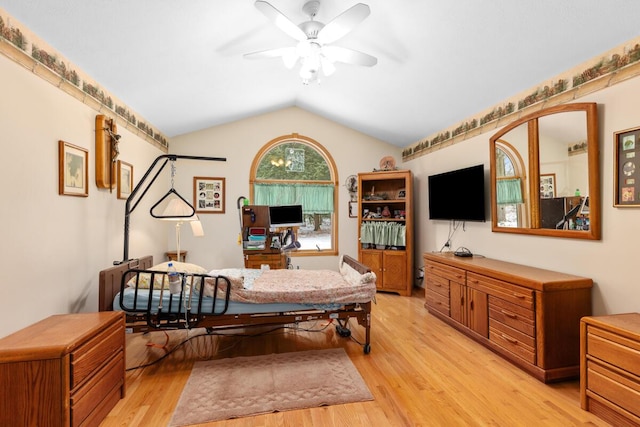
<point x="420" y="371"/>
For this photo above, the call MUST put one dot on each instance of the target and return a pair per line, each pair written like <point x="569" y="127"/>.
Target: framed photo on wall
<point x="73" y="170"/>
<point x="626" y="179"/>
<point x="208" y="194"/>
<point x="125" y="179"/>
<point x="547" y="185"/>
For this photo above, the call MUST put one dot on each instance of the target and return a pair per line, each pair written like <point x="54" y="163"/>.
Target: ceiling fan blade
<point x="289" y="55"/>
<point x="343" y="23"/>
<point x="348" y="56"/>
<point x="281" y="21"/>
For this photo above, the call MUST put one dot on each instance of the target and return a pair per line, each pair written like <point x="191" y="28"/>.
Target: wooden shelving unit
<point x="387" y="197"/>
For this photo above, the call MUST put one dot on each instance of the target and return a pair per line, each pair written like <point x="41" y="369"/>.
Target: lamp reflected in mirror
<point x="178" y="210"/>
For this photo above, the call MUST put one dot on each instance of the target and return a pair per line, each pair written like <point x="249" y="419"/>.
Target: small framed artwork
<point x="73" y="170"/>
<point x="353" y="209"/>
<point x="547" y="185"/>
<point x="208" y="194"/>
<point x="401" y="194"/>
<point x="125" y="179"/>
<point x="626" y="144"/>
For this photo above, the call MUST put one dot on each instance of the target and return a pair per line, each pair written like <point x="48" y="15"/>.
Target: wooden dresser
<point x="528" y="315"/>
<point x="610" y="368"/>
<point x="66" y="370"/>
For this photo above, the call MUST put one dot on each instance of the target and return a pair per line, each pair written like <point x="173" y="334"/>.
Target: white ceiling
<point x="180" y="64"/>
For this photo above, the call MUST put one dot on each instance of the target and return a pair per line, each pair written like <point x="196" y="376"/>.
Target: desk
<point x="173" y="256"/>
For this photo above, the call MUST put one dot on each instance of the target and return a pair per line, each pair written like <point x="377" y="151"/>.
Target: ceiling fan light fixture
<point x="313" y="50"/>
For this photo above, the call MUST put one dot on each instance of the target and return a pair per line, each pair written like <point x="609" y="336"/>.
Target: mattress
<point x="176" y="304"/>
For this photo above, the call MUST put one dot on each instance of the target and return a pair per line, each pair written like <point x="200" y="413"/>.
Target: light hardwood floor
<point x="420" y="371"/>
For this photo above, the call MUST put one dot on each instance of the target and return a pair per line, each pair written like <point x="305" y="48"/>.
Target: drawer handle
<point x="519" y="296"/>
<point x="508" y="338"/>
<point x="508" y="314"/>
<point x="438" y="285"/>
<point x="474" y="281"/>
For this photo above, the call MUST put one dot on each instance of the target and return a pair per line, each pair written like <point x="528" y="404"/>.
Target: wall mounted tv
<point x="457" y="195"/>
<point x="285" y="216"/>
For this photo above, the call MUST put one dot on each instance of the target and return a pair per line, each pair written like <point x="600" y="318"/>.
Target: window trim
<point x="520" y="173"/>
<point x="301" y="139"/>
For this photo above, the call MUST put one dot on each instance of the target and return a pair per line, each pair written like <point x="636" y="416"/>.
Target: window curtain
<point x="314" y="198"/>
<point x="383" y="233"/>
<point x="509" y="191"/>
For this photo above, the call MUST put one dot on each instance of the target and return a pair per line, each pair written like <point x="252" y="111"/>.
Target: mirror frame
<point x="533" y="173"/>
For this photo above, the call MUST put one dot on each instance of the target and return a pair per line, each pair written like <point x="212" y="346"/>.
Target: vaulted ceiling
<point x="180" y="64"/>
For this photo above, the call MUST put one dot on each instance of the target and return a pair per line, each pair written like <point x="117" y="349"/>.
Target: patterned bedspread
<point x="298" y="286"/>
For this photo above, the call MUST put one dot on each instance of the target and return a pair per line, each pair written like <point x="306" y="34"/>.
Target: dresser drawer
<point x="506" y="291"/>
<point x="614" y="349"/>
<point x="615" y="387"/>
<point x="99" y="388"/>
<point x="519" y="318"/>
<point x="437" y="284"/>
<point x="514" y="341"/>
<point x="438" y="302"/>
<point x="94" y="353"/>
<point x="451" y="273"/>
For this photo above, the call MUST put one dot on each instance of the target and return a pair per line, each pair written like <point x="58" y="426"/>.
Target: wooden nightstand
<point x="66" y="370"/>
<point x="173" y="256"/>
<point x="610" y="367"/>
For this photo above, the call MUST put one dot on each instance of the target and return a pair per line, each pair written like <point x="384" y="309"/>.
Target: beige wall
<point x="54" y="246"/>
<point x="239" y="142"/>
<point x="610" y="261"/>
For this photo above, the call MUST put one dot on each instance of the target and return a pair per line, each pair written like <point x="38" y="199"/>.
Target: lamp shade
<point x="178" y="210"/>
<point x="196" y="227"/>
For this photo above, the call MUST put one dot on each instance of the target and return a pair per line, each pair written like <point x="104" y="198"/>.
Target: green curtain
<point x="383" y="233"/>
<point x="314" y="198"/>
<point x="509" y="191"/>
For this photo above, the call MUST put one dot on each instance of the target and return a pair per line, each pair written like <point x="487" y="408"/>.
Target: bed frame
<point x="112" y="280"/>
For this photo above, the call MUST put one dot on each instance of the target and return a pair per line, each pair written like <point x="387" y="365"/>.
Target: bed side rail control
<point x="147" y="292"/>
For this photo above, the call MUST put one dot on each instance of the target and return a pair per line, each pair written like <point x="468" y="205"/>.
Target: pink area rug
<point x="245" y="386"/>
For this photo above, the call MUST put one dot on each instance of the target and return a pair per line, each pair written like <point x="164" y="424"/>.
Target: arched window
<point x="297" y="170"/>
<point x="510" y="185"/>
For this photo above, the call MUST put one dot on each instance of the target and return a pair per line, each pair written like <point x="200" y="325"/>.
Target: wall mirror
<point x="545" y="174"/>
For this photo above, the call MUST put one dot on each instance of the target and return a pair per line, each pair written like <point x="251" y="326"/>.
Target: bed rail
<point x="183" y="310"/>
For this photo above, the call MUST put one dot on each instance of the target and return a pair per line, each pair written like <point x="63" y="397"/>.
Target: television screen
<point x="457" y="195"/>
<point x="285" y="216"/>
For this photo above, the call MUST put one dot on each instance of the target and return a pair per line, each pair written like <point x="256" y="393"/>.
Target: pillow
<point x="235" y="276"/>
<point x="144" y="279"/>
<point x="352" y="275"/>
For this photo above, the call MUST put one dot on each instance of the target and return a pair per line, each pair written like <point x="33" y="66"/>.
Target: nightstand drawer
<point x="614" y="349"/>
<point x="109" y="381"/>
<point x="95" y="353"/>
<point x="614" y="387"/>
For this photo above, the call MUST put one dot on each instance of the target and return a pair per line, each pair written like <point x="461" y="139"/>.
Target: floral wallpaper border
<point x="623" y="60"/>
<point x="20" y="38"/>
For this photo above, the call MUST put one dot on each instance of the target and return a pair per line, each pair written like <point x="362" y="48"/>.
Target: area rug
<point x="243" y="386"/>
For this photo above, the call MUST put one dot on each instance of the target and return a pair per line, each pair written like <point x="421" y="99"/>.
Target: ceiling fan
<point x="314" y="50"/>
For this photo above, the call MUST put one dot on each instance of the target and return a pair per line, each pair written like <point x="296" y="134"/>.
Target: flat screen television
<point x="457" y="195"/>
<point x="285" y="216"/>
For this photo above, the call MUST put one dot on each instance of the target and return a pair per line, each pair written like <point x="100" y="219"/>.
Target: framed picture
<point x="73" y="170"/>
<point x="626" y="179"/>
<point x="401" y="194"/>
<point x="208" y="194"/>
<point x="547" y="185"/>
<point x="125" y="179"/>
<point x="353" y="209"/>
